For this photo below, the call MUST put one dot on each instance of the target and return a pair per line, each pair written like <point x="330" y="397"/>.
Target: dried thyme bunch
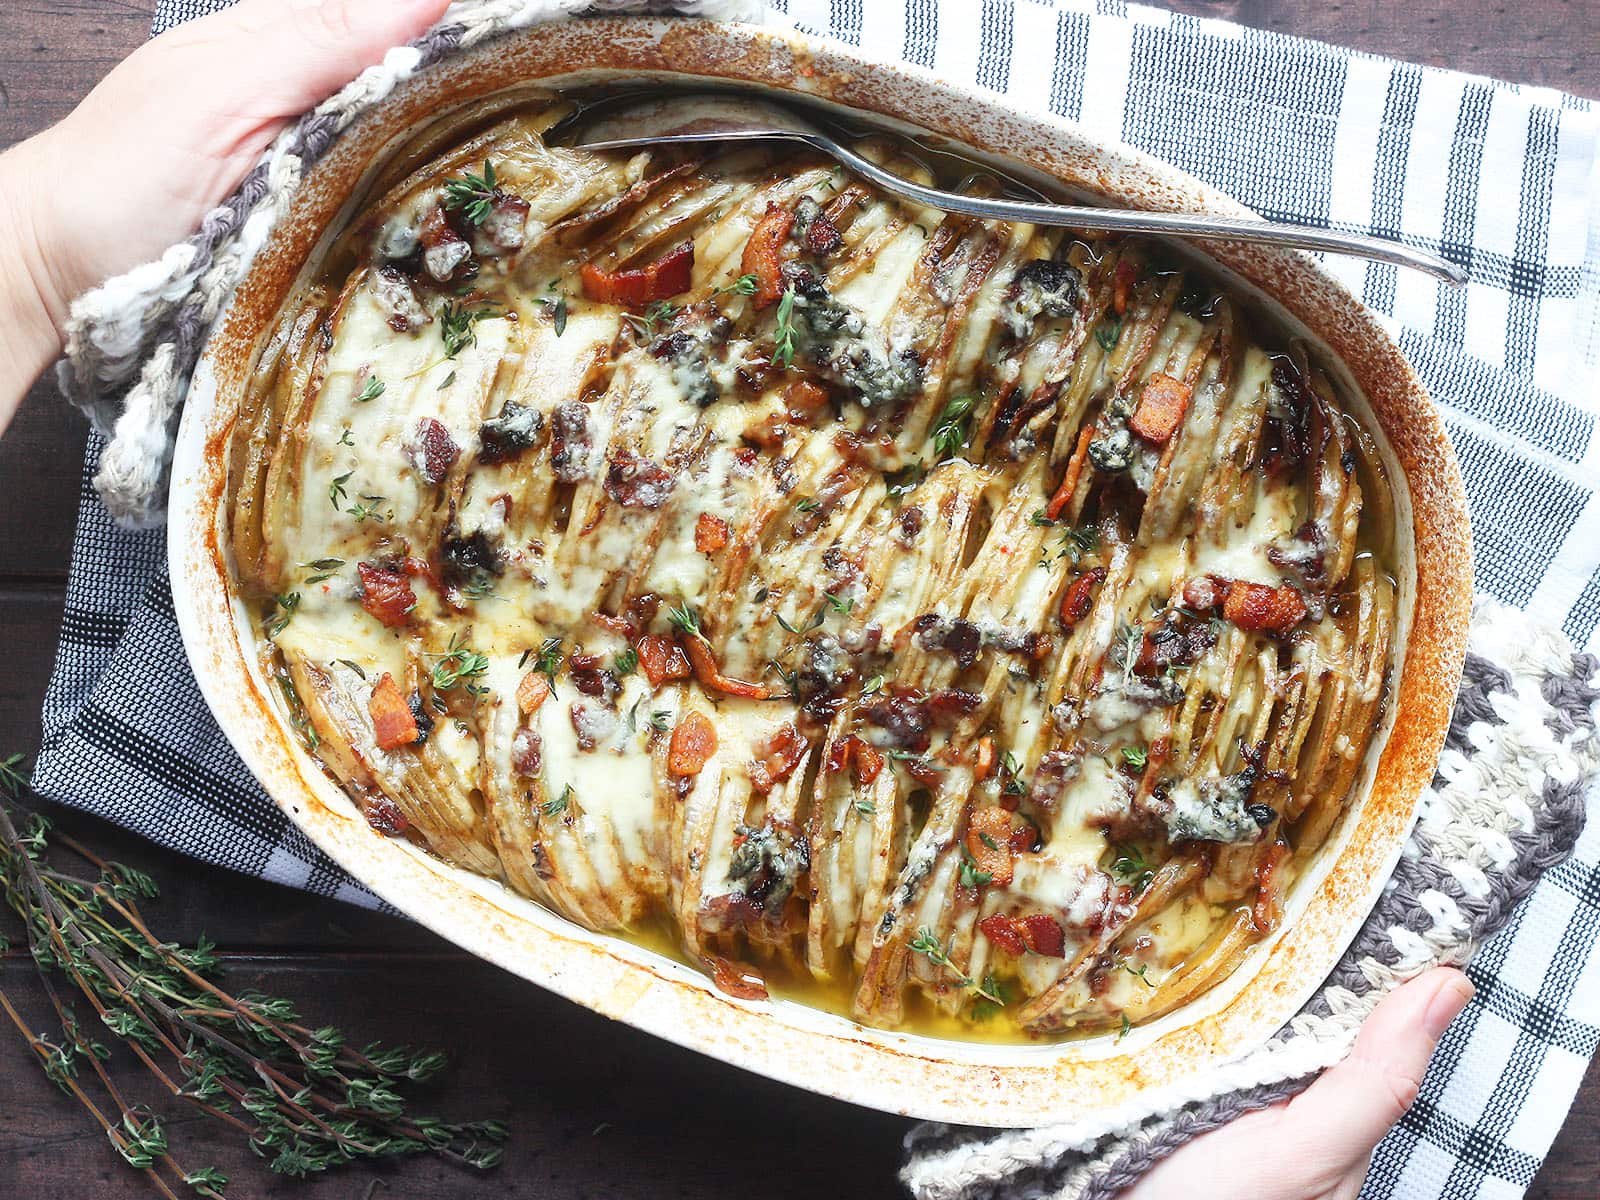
<point x="305" y="1099"/>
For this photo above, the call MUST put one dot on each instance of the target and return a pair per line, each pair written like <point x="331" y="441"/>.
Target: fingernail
<point x="1449" y="1000"/>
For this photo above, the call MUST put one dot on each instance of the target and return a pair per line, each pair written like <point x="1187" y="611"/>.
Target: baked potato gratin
<point x="969" y="627"/>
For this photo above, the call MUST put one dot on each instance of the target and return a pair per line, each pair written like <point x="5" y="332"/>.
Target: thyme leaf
<point x="473" y="196"/>
<point x="783" y="338"/>
<point x="284" y="608"/>
<point x="305" y="1098"/>
<point x="457" y="324"/>
<point x="552" y="808"/>
<point x="684" y="619"/>
<point x="950" y="431"/>
<point x="745" y="285"/>
<point x="457" y="665"/>
<point x="927" y="944"/>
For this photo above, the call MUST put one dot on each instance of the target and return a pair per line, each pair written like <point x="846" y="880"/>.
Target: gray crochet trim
<point x="1507" y="803"/>
<point x="133" y="342"/>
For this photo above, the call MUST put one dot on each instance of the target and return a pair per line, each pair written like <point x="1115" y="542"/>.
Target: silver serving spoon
<point x="720" y="118"/>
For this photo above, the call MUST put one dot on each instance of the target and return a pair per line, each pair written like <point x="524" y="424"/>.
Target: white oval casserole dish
<point x="966" y="1082"/>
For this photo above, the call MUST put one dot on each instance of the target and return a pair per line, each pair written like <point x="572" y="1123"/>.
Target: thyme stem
<point x="306" y="1100"/>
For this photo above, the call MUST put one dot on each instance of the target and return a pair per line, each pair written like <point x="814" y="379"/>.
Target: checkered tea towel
<point x="1498" y="177"/>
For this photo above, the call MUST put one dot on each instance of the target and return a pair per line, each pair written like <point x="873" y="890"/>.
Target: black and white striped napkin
<point x="1498" y="177"/>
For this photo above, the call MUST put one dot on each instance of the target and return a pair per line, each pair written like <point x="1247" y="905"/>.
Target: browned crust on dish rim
<point x="963" y="1082"/>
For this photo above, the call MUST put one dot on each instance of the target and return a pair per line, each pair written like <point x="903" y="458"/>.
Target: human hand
<point x="1317" y="1145"/>
<point x="163" y="139"/>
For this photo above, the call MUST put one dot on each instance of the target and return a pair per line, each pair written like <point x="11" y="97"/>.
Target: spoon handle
<point x="1188" y="225"/>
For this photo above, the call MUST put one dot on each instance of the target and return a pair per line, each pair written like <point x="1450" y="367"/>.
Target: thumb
<point x="1320" y="1141"/>
<point x="303" y="50"/>
<point x="1355" y="1102"/>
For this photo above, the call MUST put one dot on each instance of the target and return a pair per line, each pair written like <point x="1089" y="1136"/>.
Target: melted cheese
<point x="870" y="550"/>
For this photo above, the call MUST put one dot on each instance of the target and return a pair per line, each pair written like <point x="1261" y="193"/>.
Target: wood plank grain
<point x="1572" y="1168"/>
<point x="30" y="621"/>
<point x="1553" y="43"/>
<point x="41" y="459"/>
<point x="53" y="51"/>
<point x="597" y="1108"/>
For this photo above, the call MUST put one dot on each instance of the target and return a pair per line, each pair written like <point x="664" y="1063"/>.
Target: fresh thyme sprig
<point x="659" y="313"/>
<point x="745" y="285"/>
<point x="684" y="619"/>
<point x="1109" y="333"/>
<point x="458" y="324"/>
<point x="459" y="664"/>
<point x="304" y="1098"/>
<point x="548" y="662"/>
<point x="557" y="806"/>
<point x="473" y="196"/>
<point x="927" y="943"/>
<point x="783" y="336"/>
<point x="950" y="431"/>
<point x="284" y="608"/>
<point x="1131" y="868"/>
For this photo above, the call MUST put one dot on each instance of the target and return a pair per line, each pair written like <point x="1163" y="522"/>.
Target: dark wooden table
<point x="597" y="1109"/>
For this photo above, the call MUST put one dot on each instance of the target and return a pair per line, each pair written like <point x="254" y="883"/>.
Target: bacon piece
<point x="804" y="401"/>
<point x="1257" y="606"/>
<point x="1078" y="599"/>
<point x="1162" y="402"/>
<point x="1204" y="592"/>
<point x="1043" y="935"/>
<point x="784" y="751"/>
<point x="592" y="679"/>
<point x="1003" y="934"/>
<point x="983" y="758"/>
<point x="668" y="276"/>
<point x="533" y="691"/>
<point x="433" y="451"/>
<point x="989" y="843"/>
<point x="851" y="750"/>
<point x="527" y="752"/>
<point x="1122" y="284"/>
<point x="763" y="253"/>
<point x="1266" y="910"/>
<point x="710" y="676"/>
<point x="662" y="659"/>
<point x="386" y="594"/>
<point x="1025" y="837"/>
<point x="443" y="249"/>
<point x="506" y="225"/>
<point x="1069" y="481"/>
<point x="694" y="741"/>
<point x="735" y="980"/>
<point x="823" y="236"/>
<point x="636" y="482"/>
<point x="710" y="533"/>
<point x="384" y="815"/>
<point x="868" y="762"/>
<point x="1050" y="779"/>
<point x="394" y="293"/>
<point x="393" y="725"/>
